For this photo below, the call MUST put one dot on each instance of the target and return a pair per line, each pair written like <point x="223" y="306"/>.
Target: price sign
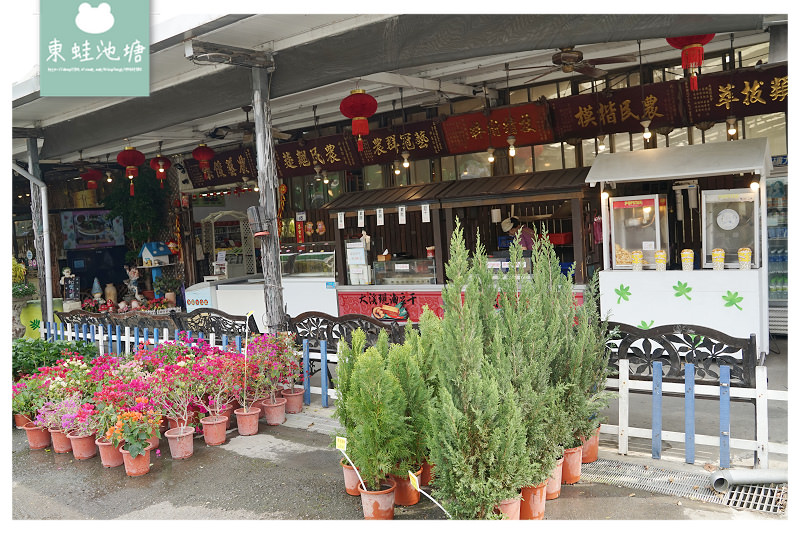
<point x="414" y="481"/>
<point x="341" y="443"/>
<point x="360" y="218"/>
<point x="379" y="216"/>
<point x="401" y="214"/>
<point x="340" y="220"/>
<point x="426" y="213"/>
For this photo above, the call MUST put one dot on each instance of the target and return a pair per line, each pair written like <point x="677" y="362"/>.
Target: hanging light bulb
<point x="256" y="189"/>
<point x="731" y="121"/>
<point x="601" y="143"/>
<point x="646" y="125"/>
<point x="490" y="151"/>
<point x="108" y="176"/>
<point x="325" y="179"/>
<point x="397" y="167"/>
<point x="511" y="150"/>
<point x="317" y="168"/>
<point x="405" y="156"/>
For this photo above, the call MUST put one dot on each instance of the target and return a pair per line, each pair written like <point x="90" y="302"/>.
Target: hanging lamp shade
<point x="691" y="47"/>
<point x="91" y="177"/>
<point x="203" y="154"/>
<point x="359" y="106"/>
<point x="131" y="159"/>
<point x="160" y="164"/>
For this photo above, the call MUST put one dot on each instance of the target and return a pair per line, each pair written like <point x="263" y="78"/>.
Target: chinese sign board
<point x="589" y="115"/>
<point x="745" y="92"/>
<point x="87" y="50"/>
<point x="422" y="140"/>
<point x="475" y="132"/>
<point x="332" y="153"/>
<point x="390" y="306"/>
<point x="226" y="167"/>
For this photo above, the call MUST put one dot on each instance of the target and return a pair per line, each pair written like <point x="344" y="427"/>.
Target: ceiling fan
<point x="246" y="129"/>
<point x="569" y="60"/>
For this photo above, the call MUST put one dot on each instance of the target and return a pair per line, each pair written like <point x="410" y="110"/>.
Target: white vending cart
<point x="728" y="298"/>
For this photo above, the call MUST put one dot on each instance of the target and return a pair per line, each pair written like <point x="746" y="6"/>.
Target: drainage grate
<point x="683" y="484"/>
<point x="694" y="486"/>
<point x="767" y="498"/>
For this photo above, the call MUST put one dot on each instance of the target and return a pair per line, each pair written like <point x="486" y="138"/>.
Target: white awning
<point x="683" y="162"/>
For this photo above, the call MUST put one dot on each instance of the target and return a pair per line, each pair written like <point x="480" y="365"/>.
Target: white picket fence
<point x="761" y="447"/>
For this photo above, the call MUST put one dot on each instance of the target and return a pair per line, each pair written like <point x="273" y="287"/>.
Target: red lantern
<point x="160" y="164"/>
<point x="691" y="48"/>
<point x="203" y="154"/>
<point x="91" y="177"/>
<point x="131" y="159"/>
<point x="359" y="106"/>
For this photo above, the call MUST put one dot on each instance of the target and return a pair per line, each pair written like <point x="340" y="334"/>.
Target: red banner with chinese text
<point x="379" y="304"/>
<point x="475" y="132"/>
<point x="744" y="92"/>
<point x="422" y="140"/>
<point x="332" y="153"/>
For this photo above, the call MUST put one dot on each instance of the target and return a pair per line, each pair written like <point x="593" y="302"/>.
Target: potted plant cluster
<point x="488" y="394"/>
<point x="167" y="286"/>
<point x="118" y="404"/>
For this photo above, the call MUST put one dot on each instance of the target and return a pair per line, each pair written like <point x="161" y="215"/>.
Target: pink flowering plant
<point x="270" y="356"/>
<point x="81" y="422"/>
<point x="54" y="414"/>
<point x="292" y="360"/>
<point x="27" y="396"/>
<point x="218" y="371"/>
<point x="176" y="388"/>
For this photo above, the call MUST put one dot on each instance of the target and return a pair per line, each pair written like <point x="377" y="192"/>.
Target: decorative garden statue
<point x="133" y="282"/>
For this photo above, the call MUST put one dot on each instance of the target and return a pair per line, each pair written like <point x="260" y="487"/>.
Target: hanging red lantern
<point x="691" y="48"/>
<point x="92" y="176"/>
<point x="203" y="154"/>
<point x="160" y="164"/>
<point x="359" y="106"/>
<point x="131" y="159"/>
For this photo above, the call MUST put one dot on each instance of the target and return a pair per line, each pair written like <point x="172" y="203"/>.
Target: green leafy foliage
<point x="344" y="370"/>
<point x="23" y="290"/>
<point x="164" y="284"/>
<point x="29" y="354"/>
<point x="376" y="406"/>
<point x="143" y="215"/>
<point x="477" y="438"/>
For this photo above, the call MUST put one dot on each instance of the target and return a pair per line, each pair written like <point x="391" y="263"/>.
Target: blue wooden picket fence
<point x="118" y="340"/>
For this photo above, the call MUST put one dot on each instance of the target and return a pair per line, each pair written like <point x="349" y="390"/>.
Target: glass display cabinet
<point x="405" y="272"/>
<point x="636" y="224"/>
<point x="730" y="222"/>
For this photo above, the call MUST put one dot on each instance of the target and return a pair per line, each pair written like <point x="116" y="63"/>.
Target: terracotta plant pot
<point x="20" y="420"/>
<point x="275" y="413"/>
<point x="591" y="446"/>
<point x="532" y="505"/>
<point x="294" y="400"/>
<point x="427" y="474"/>
<point x="509" y="508"/>
<point x="379" y="504"/>
<point x="351" y="481"/>
<point x="181" y="442"/>
<point x="571" y="473"/>
<point x="214" y="429"/>
<point x="154" y="442"/>
<point x="170" y="298"/>
<point x="228" y="412"/>
<point x="61" y="443"/>
<point x="110" y="455"/>
<point x="404" y="493"/>
<point x="136" y="466"/>
<point x="553" y="487"/>
<point x="256" y="404"/>
<point x="163" y="424"/>
<point x="83" y="446"/>
<point x="38" y="438"/>
<point x="176" y="422"/>
<point x="247" y="421"/>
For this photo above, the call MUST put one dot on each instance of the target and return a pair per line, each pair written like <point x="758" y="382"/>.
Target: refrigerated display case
<point x="635" y="225"/>
<point x="730" y="222"/>
<point x="405" y="272"/>
<point x="778" y="250"/>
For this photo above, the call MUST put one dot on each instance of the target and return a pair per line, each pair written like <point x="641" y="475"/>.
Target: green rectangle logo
<point x="94" y="48"/>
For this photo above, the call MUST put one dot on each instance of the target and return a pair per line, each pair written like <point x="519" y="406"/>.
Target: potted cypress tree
<point x="376" y="406"/>
<point x="347" y="354"/>
<point x="402" y="363"/>
<point x="477" y="438"/>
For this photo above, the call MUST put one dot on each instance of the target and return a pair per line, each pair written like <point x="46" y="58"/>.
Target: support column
<point x="41" y="230"/>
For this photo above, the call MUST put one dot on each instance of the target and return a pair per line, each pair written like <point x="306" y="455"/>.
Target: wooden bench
<point x="204" y="320"/>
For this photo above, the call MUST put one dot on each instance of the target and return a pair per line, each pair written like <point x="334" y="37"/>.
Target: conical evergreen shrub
<point x="347" y="355"/>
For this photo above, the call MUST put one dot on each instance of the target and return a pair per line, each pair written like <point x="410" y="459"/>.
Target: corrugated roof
<point x="570" y="179"/>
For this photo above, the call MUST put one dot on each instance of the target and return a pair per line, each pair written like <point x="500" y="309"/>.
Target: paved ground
<point x="291" y="472"/>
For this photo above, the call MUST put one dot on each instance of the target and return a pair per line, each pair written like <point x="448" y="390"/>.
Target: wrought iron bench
<point x="204" y="320"/>
<point x="675" y="345"/>
<point x="317" y="326"/>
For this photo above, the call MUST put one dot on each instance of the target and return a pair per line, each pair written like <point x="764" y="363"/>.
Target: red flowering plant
<point x="176" y="388"/>
<point x="219" y="371"/>
<point x="27" y="396"/>
<point x="268" y="357"/>
<point x="292" y="360"/>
